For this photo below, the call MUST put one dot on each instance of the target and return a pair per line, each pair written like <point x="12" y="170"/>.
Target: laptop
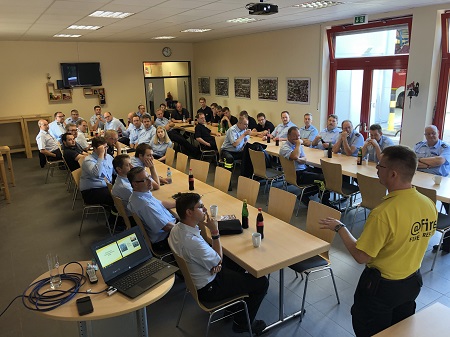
<point x="127" y="264"/>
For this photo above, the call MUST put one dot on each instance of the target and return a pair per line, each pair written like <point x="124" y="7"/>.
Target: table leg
<point x="5" y="180"/>
<point x="281" y="318"/>
<point x="141" y="317"/>
<point x="85" y="328"/>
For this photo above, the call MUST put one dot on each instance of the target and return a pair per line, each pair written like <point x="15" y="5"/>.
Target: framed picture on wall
<point x="268" y="88"/>
<point x="298" y="90"/>
<point x="242" y="87"/>
<point x="221" y="86"/>
<point x="204" y="86"/>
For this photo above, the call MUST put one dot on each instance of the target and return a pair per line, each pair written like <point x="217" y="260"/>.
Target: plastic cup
<point x="256" y="239"/>
<point x="214" y="209"/>
<point x="53" y="268"/>
<point x="437" y="179"/>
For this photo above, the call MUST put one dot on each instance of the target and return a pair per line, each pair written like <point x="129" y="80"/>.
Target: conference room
<point x="298" y="51"/>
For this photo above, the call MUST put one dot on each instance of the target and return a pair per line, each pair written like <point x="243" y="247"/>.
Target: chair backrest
<point x="259" y="163"/>
<point x="182" y="162"/>
<point x="109" y="185"/>
<point x="281" y="204"/>
<point x="289" y="170"/>
<point x="139" y="222"/>
<point x="187" y="278"/>
<point x="332" y="173"/>
<point x="170" y="156"/>
<point x="372" y="192"/>
<point x="317" y="211"/>
<point x="222" y="179"/>
<point x="219" y="143"/>
<point x="121" y="210"/>
<point x="200" y="169"/>
<point x="77" y="176"/>
<point x="247" y="189"/>
<point x="81" y="160"/>
<point x="429" y="192"/>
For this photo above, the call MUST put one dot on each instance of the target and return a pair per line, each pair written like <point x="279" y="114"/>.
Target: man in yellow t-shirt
<point x="392" y="245"/>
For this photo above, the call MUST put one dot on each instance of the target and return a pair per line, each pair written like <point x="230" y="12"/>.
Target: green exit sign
<point x="360" y="19"/>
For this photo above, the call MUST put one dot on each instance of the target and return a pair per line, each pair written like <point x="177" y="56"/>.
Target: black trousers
<point x="231" y="156"/>
<point x="187" y="147"/>
<point x="380" y="303"/>
<point x="233" y="280"/>
<point x="98" y="196"/>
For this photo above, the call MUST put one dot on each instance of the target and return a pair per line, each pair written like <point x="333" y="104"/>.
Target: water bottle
<point x="191" y="180"/>
<point x="260" y="223"/>
<point x="169" y="176"/>
<point x="244" y="214"/>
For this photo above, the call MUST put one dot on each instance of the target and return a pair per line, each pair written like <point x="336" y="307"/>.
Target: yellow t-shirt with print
<point x="397" y="232"/>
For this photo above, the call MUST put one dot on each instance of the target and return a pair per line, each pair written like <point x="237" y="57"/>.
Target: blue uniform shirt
<point x="232" y="135"/>
<point x="309" y="133"/>
<point x="442" y="149"/>
<point x="328" y="136"/>
<point x="383" y="143"/>
<point x="56" y="130"/>
<point x="286" y="150"/>
<point x="281" y="130"/>
<point x="94" y="170"/>
<point x="355" y="139"/>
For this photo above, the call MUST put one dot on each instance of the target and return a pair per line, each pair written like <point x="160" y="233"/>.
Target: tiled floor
<point x="40" y="220"/>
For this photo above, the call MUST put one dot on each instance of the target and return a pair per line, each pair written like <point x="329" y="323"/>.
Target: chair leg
<point x="48" y="171"/>
<point x="75" y="193"/>
<point x="182" y="307"/>
<point x="334" y="284"/>
<point x="82" y="219"/>
<point x="438" y="250"/>
<point x="248" y="319"/>
<point x="354" y="217"/>
<point x="304" y="297"/>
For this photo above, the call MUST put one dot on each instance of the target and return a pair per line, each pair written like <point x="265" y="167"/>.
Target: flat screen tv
<point x="81" y="74"/>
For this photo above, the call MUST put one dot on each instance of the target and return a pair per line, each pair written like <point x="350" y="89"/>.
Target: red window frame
<point x="367" y="64"/>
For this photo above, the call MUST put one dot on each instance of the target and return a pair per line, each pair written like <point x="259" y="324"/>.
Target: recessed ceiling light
<point x="318" y="4"/>
<point x="84" y="27"/>
<point x="66" y="35"/>
<point x="114" y="15"/>
<point x="163" y="37"/>
<point x="196" y="30"/>
<point x="241" y="20"/>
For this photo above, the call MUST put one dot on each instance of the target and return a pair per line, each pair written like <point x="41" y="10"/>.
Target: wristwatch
<point x="215" y="237"/>
<point x="338" y="227"/>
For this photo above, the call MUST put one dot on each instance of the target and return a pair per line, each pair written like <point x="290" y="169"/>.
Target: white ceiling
<point x="39" y="20"/>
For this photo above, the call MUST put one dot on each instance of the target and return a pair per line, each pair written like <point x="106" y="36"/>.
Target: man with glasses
<point x="57" y="127"/>
<point x="264" y="127"/>
<point x="392" y="245"/>
<point x="349" y="141"/>
<point x="376" y="143"/>
<point x="434" y="157"/>
<point x="112" y="142"/>
<point x="112" y="123"/>
<point x="214" y="276"/>
<point x="309" y="131"/>
<point x="327" y="136"/>
<point x="74" y="117"/>
<point x="81" y="138"/>
<point x="236" y="138"/>
<point x="155" y="215"/>
<point x="251" y="121"/>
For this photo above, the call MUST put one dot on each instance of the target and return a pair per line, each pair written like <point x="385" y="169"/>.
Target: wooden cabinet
<point x="58" y="95"/>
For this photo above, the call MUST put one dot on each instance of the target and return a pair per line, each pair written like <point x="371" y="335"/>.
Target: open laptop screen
<point x="120" y="253"/>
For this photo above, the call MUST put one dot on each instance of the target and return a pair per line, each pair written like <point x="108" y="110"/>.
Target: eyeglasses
<point x="201" y="206"/>
<point x="378" y="166"/>
<point x="430" y="134"/>
<point x="141" y="181"/>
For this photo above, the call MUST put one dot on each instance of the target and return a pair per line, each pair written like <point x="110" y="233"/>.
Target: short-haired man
<point x="217" y="114"/>
<point x="281" y="130"/>
<point x="180" y="113"/>
<point x="81" y="138"/>
<point x="97" y="121"/>
<point x="309" y="131"/>
<point x="263" y="127"/>
<point x="71" y="152"/>
<point x="327" y="136"/>
<point x="74" y="117"/>
<point x="96" y="167"/>
<point x="47" y="145"/>
<point x="141" y="110"/>
<point x="204" y="135"/>
<point x="73" y="130"/>
<point x="251" y="121"/>
<point x="112" y="123"/>
<point x="392" y="245"/>
<point x="205" y="109"/>
<point x="376" y="143"/>
<point x="135" y="131"/>
<point x="143" y="134"/>
<point x="158" y="221"/>
<point x="166" y="112"/>
<point x="57" y="127"/>
<point x="143" y="157"/>
<point x="236" y="138"/>
<point x="349" y="141"/>
<point x="213" y="281"/>
<point x="163" y="121"/>
<point x="433" y="153"/>
<point x="228" y="120"/>
<point x="112" y="142"/>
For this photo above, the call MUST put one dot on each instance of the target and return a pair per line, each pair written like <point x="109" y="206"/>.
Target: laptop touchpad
<point x="148" y="282"/>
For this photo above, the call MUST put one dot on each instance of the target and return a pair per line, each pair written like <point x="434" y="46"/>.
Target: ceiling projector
<point x="260" y="8"/>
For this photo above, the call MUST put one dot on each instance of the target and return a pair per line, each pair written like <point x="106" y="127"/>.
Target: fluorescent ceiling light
<point x="196" y="30"/>
<point x="163" y="37"/>
<point x="84" y="27"/>
<point x="318" y="4"/>
<point x="241" y="20"/>
<point x="66" y="35"/>
<point x="114" y="15"/>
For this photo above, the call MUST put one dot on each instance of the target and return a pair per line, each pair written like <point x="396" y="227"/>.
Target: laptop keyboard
<point x="134" y="278"/>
